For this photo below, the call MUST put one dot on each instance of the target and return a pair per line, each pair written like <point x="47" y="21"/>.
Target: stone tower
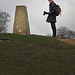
<point x="21" y="24"/>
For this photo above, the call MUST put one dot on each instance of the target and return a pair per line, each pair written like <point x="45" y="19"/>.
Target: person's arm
<point x="54" y="9"/>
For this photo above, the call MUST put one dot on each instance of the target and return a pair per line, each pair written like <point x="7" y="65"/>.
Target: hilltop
<point x="35" y="55"/>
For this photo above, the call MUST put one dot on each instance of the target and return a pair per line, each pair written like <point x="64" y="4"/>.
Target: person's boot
<point x="54" y="36"/>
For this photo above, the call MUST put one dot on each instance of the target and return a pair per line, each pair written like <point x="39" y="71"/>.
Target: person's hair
<point x="50" y="0"/>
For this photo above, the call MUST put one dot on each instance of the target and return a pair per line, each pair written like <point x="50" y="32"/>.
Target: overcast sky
<point x="37" y="21"/>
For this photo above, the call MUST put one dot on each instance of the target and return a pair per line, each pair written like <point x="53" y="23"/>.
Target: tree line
<point x="65" y="33"/>
<point x="4" y="19"/>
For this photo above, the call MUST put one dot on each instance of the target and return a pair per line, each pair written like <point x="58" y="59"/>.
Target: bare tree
<point x="4" y="18"/>
<point x="65" y="33"/>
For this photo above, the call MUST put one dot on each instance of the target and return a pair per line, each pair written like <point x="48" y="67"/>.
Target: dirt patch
<point x="4" y="40"/>
<point x="70" y="41"/>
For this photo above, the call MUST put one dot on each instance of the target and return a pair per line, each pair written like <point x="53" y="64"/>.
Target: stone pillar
<point x="21" y="24"/>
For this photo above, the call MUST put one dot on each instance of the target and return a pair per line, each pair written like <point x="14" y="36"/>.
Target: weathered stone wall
<point x="21" y="24"/>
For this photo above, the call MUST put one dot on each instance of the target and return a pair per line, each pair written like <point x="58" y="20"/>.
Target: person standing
<point x="52" y="16"/>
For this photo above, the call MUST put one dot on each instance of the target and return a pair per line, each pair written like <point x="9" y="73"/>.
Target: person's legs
<point x="53" y="29"/>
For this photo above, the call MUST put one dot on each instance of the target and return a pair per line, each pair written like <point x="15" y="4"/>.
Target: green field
<point x="35" y="55"/>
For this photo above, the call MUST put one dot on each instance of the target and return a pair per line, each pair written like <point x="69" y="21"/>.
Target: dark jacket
<point x="52" y="13"/>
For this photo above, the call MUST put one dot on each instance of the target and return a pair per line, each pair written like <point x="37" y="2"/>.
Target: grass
<point x="35" y="55"/>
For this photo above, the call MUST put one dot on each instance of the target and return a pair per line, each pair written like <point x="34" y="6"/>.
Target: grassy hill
<point x="35" y="55"/>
